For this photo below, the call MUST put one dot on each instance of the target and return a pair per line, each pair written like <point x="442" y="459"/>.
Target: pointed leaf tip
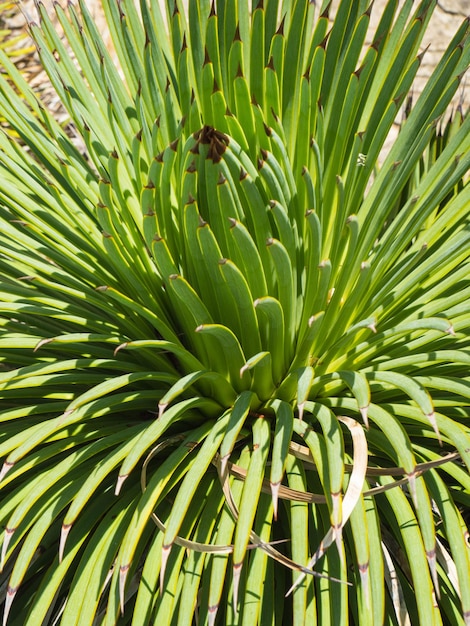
<point x="8" y="534"/>
<point x="6" y="467"/>
<point x="237" y="570"/>
<point x="123" y="571"/>
<point x="432" y="420"/>
<point x="275" y="497"/>
<point x="11" y="593"/>
<point x="120" y="347"/>
<point x="119" y="483"/>
<point x="212" y="614"/>
<point x="64" y="533"/>
<point x="432" y="561"/>
<point x="364" y="410"/>
<point x="243" y="370"/>
<point x="41" y="343"/>
<point x="364" y="576"/>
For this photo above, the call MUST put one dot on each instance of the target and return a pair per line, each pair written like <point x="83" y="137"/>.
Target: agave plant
<point x="234" y="354"/>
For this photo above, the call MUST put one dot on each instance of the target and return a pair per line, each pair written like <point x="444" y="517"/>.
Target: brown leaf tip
<point x="215" y="139"/>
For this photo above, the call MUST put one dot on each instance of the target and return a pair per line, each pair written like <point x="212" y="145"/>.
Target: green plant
<point x="13" y="38"/>
<point x="221" y="309"/>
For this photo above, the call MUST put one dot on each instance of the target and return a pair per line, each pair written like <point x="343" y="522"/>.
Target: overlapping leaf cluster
<point x="228" y="341"/>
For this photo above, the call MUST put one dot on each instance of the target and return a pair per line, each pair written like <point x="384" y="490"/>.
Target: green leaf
<point x="250" y="497"/>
